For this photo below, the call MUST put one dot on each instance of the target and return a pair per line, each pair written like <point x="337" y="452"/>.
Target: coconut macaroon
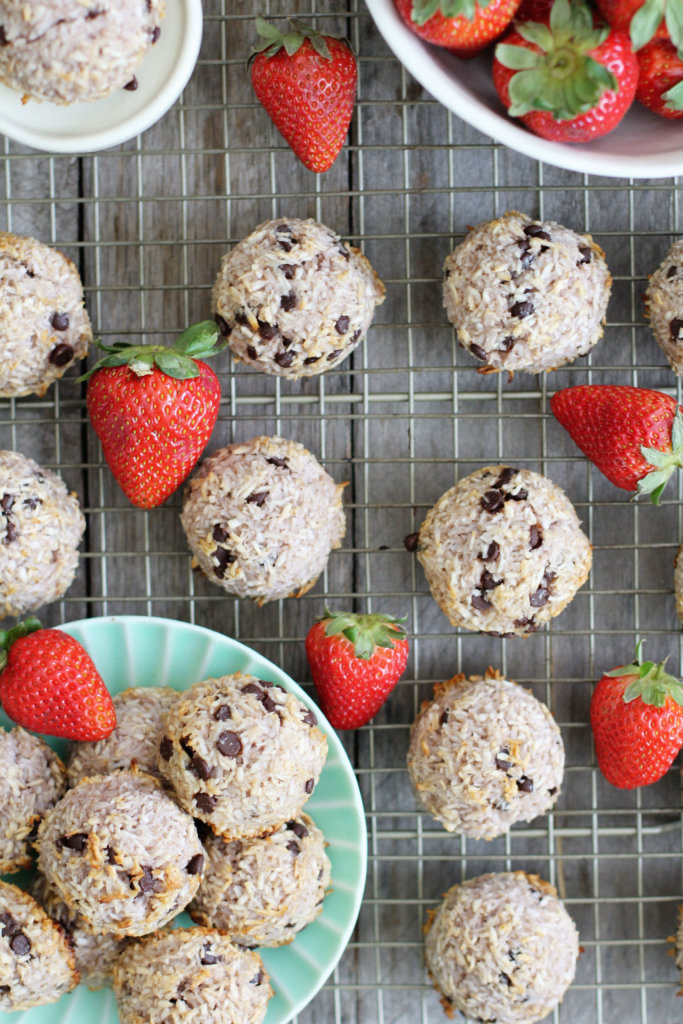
<point x="193" y="975"/>
<point x="44" y="326"/>
<point x="121" y="853"/>
<point x="36" y="960"/>
<point x="94" y="954"/>
<point x="664" y="306"/>
<point x="483" y="754"/>
<point x="293" y="299"/>
<point x="74" y="52"/>
<point x="41" y="525"/>
<point x="32" y="779"/>
<point x="140" y="712"/>
<point x="241" y="754"/>
<point x="526" y="294"/>
<point x="262" y="891"/>
<point x="502" y="551"/>
<point x="502" y="947"/>
<point x="261" y="518"/>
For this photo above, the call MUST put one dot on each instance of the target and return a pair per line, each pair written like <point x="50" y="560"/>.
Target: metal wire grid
<point x="400" y="420"/>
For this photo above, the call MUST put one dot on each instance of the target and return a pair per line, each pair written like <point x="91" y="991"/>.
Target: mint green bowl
<point x="132" y="650"/>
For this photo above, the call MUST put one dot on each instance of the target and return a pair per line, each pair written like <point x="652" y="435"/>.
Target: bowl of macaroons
<point x="594" y="87"/>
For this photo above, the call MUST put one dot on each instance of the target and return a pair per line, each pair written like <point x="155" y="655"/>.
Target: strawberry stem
<point x="653" y="684"/>
<point x="8" y="636"/>
<point x="365" y="632"/>
<point x="273" y="40"/>
<point x="663" y="462"/>
<point x="200" y="341"/>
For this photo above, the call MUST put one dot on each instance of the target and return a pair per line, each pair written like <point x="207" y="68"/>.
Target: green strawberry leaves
<point x="664" y="462"/>
<point x="674" y="97"/>
<point x="365" y="632"/>
<point x="273" y="40"/>
<point x="8" y="636"/>
<point x="559" y="77"/>
<point x="648" y="18"/>
<point x="653" y="684"/>
<point x="197" y="342"/>
<point x="423" y="10"/>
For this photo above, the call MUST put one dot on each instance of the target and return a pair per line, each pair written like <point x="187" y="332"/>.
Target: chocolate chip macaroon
<point x="484" y="754"/>
<point x="525" y="294"/>
<point x="503" y="551"/>
<point x="293" y="299"/>
<point x="664" y="306"/>
<point x="44" y="326"/>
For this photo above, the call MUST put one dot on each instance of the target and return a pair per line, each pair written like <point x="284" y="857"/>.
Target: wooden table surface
<point x="401" y="420"/>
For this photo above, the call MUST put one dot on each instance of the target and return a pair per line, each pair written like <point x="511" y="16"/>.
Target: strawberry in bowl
<point x="462" y="26"/>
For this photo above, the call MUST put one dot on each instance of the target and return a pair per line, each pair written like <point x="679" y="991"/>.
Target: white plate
<point x="83" y="127"/>
<point x="642" y="146"/>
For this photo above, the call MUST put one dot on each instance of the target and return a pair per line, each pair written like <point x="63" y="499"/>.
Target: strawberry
<point x="462" y="26"/>
<point x="534" y="10"/>
<point x="356" y="660"/>
<point x="645" y="19"/>
<point x="569" y="80"/>
<point x="660" y="85"/>
<point x="633" y="435"/>
<point x="637" y="720"/>
<point x="49" y="684"/>
<point x="153" y="408"/>
<point x="307" y="84"/>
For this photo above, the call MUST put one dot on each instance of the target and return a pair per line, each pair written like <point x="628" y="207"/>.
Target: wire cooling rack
<point x="401" y="420"/>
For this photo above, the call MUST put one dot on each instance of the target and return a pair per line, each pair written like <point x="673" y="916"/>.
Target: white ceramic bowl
<point x="642" y="146"/>
<point x="83" y="127"/>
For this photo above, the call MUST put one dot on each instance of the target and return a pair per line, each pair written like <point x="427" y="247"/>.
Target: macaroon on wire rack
<point x="400" y="420"/>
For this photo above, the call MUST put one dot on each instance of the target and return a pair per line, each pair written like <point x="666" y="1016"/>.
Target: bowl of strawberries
<point x="591" y="87"/>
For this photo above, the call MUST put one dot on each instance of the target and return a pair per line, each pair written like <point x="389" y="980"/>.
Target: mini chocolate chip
<point x="148" y="883"/>
<point x="208" y="957"/>
<point x="223" y="325"/>
<point x="535" y="537"/>
<point x="522" y="309"/>
<point x="166" y="748"/>
<point x="284" y="358"/>
<point x="269" y="704"/>
<point x="503" y="761"/>
<point x="480" y="603"/>
<point x="224" y="559"/>
<point x="675" y="327"/>
<point x="185" y="745"/>
<point x="267" y="331"/>
<point x="60" y="321"/>
<point x="203" y="830"/>
<point x="505" y="476"/>
<point x="536" y="231"/>
<point x="280" y="463"/>
<point x="156" y="32"/>
<point x="505" y="979"/>
<point x="334" y="353"/>
<point x="253" y="688"/>
<point x="132" y="85"/>
<point x="11" y="532"/>
<point x="507" y="343"/>
<point x="32" y="503"/>
<point x="61" y="354"/>
<point x="525" y="623"/>
<point x="341" y="248"/>
<point x="288" y="302"/>
<point x="308" y="785"/>
<point x="539" y="597"/>
<point x="298" y="828"/>
<point x="355" y="336"/>
<point x="285" y="244"/>
<point x="479" y="352"/>
<point x="342" y="325"/>
<point x="527" y="255"/>
<point x="488" y="582"/>
<point x="294" y="847"/>
<point x="444" y="717"/>
<point x="586" y="255"/>
<point x="257" y="497"/>
<point x="521" y="495"/>
<point x="492" y="552"/>
<point x="111" y="855"/>
<point x="241" y="318"/>
<point x="78" y="841"/>
<point x="9" y="924"/>
<point x="205" y="802"/>
<point x="671" y="272"/>
<point x="410" y="541"/>
<point x="195" y="864"/>
<point x="201" y="768"/>
<point x="6" y="503"/>
<point x="283" y="229"/>
<point x="229" y="744"/>
<point x="4" y="41"/>
<point x="4" y="989"/>
<point x="257" y="979"/>
<point x="311" y="359"/>
<point x="492" y="501"/>
<point x="552" y="791"/>
<point x="525" y="784"/>
<point x="310" y="719"/>
<point x="288" y="270"/>
<point x="19" y="944"/>
<point x="219" y="534"/>
<point x="222" y="712"/>
<point x="251" y="352"/>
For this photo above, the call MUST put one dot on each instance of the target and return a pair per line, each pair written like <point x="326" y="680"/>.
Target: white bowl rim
<point x="162" y="99"/>
<point x="414" y="53"/>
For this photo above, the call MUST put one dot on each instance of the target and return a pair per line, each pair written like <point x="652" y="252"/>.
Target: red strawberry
<point x="637" y="721"/>
<point x="634" y="436"/>
<point x="569" y="80"/>
<point x="49" y="684"/>
<point x="462" y="26"/>
<point x="660" y="86"/>
<point x="153" y="409"/>
<point x="534" y="10"/>
<point x="307" y="84"/>
<point x="645" y="19"/>
<point x="356" y="660"/>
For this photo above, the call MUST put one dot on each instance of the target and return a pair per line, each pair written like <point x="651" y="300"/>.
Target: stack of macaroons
<point x="120" y="855"/>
